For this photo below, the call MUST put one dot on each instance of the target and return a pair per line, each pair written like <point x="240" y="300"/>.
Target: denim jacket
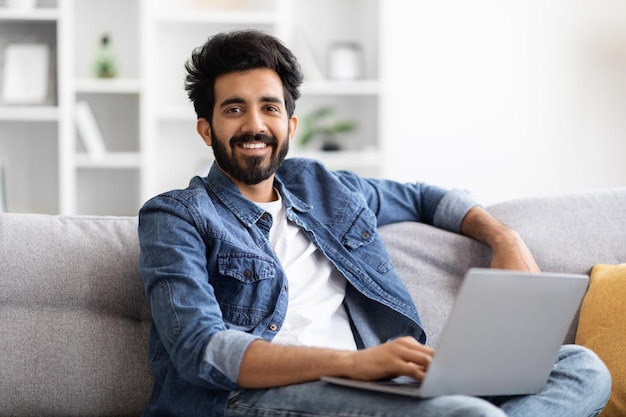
<point x="215" y="285"/>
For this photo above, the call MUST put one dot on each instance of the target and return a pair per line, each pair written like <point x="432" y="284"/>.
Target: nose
<point x="254" y="123"/>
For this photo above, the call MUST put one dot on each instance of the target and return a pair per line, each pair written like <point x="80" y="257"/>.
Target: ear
<point x="293" y="126"/>
<point x="204" y="130"/>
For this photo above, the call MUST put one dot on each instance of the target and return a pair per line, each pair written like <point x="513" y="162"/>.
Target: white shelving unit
<point x="146" y="120"/>
<point x="31" y="136"/>
<point x="111" y="183"/>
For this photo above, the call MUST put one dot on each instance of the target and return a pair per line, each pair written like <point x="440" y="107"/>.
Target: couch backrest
<point x="566" y="233"/>
<point x="74" y="321"/>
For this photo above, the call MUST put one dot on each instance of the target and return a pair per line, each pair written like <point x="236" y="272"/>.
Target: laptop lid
<point x="501" y="337"/>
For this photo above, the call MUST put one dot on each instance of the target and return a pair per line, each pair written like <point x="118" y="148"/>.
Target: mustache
<point x="259" y="137"/>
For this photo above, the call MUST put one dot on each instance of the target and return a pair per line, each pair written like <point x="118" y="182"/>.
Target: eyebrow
<point x="271" y="99"/>
<point x="239" y="100"/>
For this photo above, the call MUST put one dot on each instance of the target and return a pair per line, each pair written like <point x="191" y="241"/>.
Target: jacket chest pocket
<point x="245" y="288"/>
<point x="362" y="230"/>
<point x="247" y="268"/>
<point x="361" y="239"/>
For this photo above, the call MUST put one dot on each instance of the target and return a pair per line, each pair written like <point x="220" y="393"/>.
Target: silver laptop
<point x="501" y="337"/>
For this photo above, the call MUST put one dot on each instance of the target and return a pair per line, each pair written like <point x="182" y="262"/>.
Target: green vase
<point x="104" y="65"/>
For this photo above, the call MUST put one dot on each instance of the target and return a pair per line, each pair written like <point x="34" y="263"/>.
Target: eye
<point x="272" y="108"/>
<point x="232" y="110"/>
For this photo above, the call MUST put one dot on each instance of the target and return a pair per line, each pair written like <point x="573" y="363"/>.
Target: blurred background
<point x="505" y="98"/>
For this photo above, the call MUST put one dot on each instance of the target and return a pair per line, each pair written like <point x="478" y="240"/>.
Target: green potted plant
<point x="319" y="123"/>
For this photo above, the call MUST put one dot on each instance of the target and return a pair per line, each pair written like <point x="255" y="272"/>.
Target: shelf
<point x="29" y="15"/>
<point x="29" y="113"/>
<point x="108" y="86"/>
<point x="112" y="160"/>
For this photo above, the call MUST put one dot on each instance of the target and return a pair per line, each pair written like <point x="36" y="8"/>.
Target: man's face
<point x="250" y="131"/>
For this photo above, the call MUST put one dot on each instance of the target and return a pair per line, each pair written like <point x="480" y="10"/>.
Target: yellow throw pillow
<point x="602" y="328"/>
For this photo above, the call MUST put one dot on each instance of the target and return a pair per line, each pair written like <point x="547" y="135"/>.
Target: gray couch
<point x="74" y="322"/>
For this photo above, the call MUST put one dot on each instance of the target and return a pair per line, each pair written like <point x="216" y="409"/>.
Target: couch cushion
<point x="74" y="322"/>
<point x="602" y="328"/>
<point x="432" y="262"/>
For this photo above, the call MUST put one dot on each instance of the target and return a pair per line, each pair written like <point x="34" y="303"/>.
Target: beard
<point x="249" y="170"/>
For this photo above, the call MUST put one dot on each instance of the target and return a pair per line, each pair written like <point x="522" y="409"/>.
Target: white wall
<point x="505" y="98"/>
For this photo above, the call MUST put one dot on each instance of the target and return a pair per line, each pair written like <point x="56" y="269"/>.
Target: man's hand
<point x="268" y="365"/>
<point x="404" y="356"/>
<point x="508" y="249"/>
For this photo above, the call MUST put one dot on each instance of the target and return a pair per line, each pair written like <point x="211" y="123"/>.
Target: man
<point x="269" y="273"/>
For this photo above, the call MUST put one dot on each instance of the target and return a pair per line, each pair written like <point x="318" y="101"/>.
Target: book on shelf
<point x="89" y="131"/>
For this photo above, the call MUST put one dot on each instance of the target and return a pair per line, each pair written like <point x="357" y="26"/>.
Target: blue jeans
<point x="579" y="385"/>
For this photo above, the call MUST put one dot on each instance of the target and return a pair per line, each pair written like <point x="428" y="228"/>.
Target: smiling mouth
<point x="254" y="145"/>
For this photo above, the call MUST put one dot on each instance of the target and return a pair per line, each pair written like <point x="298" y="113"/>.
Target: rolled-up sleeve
<point x="452" y="209"/>
<point x="224" y="353"/>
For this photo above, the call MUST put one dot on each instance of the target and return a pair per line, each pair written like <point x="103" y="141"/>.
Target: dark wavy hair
<point x="239" y="51"/>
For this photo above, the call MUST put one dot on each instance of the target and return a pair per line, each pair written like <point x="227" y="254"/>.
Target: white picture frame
<point x="26" y="68"/>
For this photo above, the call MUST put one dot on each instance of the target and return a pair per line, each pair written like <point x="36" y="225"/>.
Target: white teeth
<point x="253" y="145"/>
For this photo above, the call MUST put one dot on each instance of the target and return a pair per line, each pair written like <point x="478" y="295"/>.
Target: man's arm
<point x="266" y="364"/>
<point x="508" y="249"/>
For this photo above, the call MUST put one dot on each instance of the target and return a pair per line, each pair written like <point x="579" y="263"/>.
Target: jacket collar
<point x="218" y="183"/>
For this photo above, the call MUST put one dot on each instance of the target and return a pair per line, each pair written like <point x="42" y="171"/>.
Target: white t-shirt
<point x="315" y="313"/>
